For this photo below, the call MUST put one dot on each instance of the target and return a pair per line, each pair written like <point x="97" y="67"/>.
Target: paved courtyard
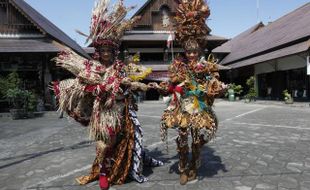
<point x="258" y="146"/>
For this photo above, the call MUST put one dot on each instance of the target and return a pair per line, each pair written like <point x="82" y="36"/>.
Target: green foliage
<point x="136" y="58"/>
<point x="22" y="99"/>
<point x="18" y="98"/>
<point x="250" y="81"/>
<point x="287" y="95"/>
<point x="251" y="94"/>
<point x="251" y="85"/>
<point x="32" y="102"/>
<point x="12" y="81"/>
<point x="237" y="89"/>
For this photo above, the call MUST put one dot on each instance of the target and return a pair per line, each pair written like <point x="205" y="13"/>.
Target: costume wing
<point x="89" y="71"/>
<point x="74" y="100"/>
<point x="71" y="94"/>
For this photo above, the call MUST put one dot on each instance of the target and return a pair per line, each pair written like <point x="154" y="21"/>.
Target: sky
<point x="228" y="17"/>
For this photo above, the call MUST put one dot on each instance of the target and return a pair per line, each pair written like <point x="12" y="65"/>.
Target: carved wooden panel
<point x="151" y="13"/>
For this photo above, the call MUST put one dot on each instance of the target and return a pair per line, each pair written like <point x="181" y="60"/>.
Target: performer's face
<point x="192" y="55"/>
<point x="105" y="54"/>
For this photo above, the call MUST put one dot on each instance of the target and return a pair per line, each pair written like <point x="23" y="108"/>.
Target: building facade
<point x="149" y="38"/>
<point x="276" y="54"/>
<point x="28" y="42"/>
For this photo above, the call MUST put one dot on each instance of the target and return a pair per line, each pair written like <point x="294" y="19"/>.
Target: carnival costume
<point x="193" y="84"/>
<point x="101" y="97"/>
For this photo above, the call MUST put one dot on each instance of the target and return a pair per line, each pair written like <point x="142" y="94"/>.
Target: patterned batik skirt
<point x="140" y="157"/>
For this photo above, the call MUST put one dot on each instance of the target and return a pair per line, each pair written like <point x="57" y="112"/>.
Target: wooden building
<point x="149" y="38"/>
<point x="28" y="42"/>
<point x="276" y="54"/>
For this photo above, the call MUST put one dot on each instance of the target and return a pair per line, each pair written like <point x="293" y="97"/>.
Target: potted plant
<point x="238" y="89"/>
<point x="16" y="99"/>
<point x="287" y="97"/>
<point x="230" y="94"/>
<point x="251" y="95"/>
<point x="22" y="102"/>
<point x="233" y="92"/>
<point x="9" y="90"/>
<point x="31" y="103"/>
<point x="12" y="81"/>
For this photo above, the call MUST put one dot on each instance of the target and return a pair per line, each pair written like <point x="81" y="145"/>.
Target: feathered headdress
<point x="191" y="21"/>
<point x="108" y="26"/>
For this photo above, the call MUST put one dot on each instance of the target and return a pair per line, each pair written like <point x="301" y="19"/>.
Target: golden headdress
<point x="108" y="26"/>
<point x="191" y="22"/>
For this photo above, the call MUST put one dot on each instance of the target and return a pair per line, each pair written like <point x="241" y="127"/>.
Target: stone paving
<point x="258" y="147"/>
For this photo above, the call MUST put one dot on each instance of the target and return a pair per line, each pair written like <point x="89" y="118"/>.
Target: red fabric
<point x="100" y="68"/>
<point x="102" y="87"/>
<point x="90" y="88"/>
<point x="103" y="182"/>
<point x="173" y="89"/>
<point x="111" y="80"/>
<point x="88" y="68"/>
<point x="112" y="134"/>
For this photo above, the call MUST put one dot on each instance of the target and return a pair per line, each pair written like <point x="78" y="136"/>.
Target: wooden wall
<point x="12" y="21"/>
<point x="151" y="17"/>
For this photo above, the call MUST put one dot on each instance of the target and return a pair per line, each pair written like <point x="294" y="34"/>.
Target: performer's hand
<point x="152" y="85"/>
<point x="126" y="81"/>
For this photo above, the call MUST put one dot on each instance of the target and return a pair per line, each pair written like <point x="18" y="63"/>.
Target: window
<point x="165" y="16"/>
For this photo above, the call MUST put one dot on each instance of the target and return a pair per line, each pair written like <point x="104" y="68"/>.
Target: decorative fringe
<point x="109" y="25"/>
<point x="191" y="21"/>
<point x="102" y="118"/>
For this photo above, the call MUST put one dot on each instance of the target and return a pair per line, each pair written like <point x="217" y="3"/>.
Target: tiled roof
<point x="226" y="47"/>
<point x="46" y="26"/>
<point x="290" y="50"/>
<point x="289" y="30"/>
<point x="27" y="45"/>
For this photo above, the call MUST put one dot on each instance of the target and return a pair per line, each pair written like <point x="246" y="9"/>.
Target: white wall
<point x="282" y="64"/>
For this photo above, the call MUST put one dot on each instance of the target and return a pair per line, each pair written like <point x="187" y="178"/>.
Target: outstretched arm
<point x="88" y="71"/>
<point x="74" y="100"/>
<point x="134" y="85"/>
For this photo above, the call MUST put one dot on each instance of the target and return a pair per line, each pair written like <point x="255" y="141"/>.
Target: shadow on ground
<point x="211" y="164"/>
<point x="25" y="157"/>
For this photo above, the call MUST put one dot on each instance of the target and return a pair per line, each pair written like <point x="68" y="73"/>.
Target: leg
<point x="95" y="169"/>
<point x="182" y="147"/>
<point x="197" y="144"/>
<point x="105" y="166"/>
<point x="106" y="161"/>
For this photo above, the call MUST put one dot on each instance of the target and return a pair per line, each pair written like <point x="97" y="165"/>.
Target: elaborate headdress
<point x="108" y="26"/>
<point x="191" y="28"/>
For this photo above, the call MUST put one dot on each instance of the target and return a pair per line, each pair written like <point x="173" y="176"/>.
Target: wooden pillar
<point x="47" y="78"/>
